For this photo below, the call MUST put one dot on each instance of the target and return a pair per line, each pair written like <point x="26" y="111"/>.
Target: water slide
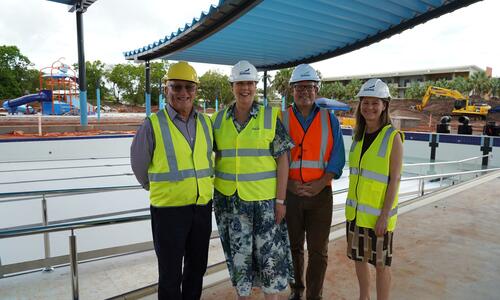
<point x="12" y="105"/>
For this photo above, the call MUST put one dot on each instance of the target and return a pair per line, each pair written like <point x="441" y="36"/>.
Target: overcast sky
<point x="45" y="31"/>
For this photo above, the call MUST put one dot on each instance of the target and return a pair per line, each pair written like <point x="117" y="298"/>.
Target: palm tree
<point x="415" y="91"/>
<point x="352" y="89"/>
<point x="334" y="90"/>
<point x="461" y="84"/>
<point x="443" y="83"/>
<point x="480" y="83"/>
<point x="280" y="84"/>
<point x="393" y="90"/>
<point x="495" y="87"/>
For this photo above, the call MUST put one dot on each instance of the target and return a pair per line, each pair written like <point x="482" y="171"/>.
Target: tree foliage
<point x="352" y="89"/>
<point x="16" y="75"/>
<point x="128" y="82"/>
<point x="96" y="76"/>
<point x="215" y="85"/>
<point x="333" y="90"/>
<point x="280" y="84"/>
<point x="495" y="87"/>
<point x="461" y="84"/>
<point x="480" y="83"/>
<point x="393" y="90"/>
<point x="123" y="79"/>
<point x="414" y="91"/>
<point x="157" y="72"/>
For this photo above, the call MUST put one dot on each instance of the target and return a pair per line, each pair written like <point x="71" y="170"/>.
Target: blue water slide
<point x="12" y="105"/>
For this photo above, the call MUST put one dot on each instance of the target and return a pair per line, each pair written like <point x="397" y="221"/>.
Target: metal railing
<point x="73" y="256"/>
<point x="448" y="162"/>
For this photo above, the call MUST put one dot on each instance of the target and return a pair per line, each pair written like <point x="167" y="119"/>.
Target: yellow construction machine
<point x="462" y="106"/>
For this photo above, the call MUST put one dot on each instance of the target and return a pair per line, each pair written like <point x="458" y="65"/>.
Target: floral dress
<point x="257" y="250"/>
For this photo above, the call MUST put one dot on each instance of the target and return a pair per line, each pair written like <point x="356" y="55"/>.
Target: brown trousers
<point x="309" y="218"/>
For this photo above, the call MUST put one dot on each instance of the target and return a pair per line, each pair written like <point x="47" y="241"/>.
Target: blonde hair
<point x="359" y="129"/>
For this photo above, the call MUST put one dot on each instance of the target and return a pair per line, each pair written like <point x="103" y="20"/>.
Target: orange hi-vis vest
<point x="311" y="153"/>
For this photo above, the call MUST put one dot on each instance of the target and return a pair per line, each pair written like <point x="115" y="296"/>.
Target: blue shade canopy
<point x="332" y="104"/>
<point x="275" y="34"/>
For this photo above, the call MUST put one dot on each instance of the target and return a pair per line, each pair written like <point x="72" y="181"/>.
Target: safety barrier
<point x="72" y="259"/>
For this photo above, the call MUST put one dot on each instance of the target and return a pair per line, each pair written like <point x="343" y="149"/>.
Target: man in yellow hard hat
<point x="171" y="156"/>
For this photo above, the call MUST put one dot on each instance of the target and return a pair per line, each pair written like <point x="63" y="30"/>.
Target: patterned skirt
<point x="257" y="250"/>
<point x="364" y="245"/>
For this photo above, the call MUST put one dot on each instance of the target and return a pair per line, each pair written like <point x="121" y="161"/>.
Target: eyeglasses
<point x="301" y="88"/>
<point x="178" y="87"/>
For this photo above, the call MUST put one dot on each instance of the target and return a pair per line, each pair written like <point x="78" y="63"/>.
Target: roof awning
<point x="275" y="34"/>
<point x="73" y="3"/>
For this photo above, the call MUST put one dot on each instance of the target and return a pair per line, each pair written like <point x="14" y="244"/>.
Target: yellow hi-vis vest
<point x="368" y="180"/>
<point x="178" y="175"/>
<point x="243" y="161"/>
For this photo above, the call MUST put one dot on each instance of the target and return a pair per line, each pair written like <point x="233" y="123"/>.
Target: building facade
<point x="403" y="79"/>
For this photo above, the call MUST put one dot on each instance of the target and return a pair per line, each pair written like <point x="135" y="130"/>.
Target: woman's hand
<point x="381" y="225"/>
<point x="279" y="212"/>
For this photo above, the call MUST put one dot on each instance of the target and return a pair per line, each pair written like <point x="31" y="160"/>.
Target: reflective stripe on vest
<point x="286" y="120"/>
<point x="244" y="163"/>
<point x="324" y="134"/>
<point x="353" y="145"/>
<point x="175" y="174"/>
<point x="383" y="149"/>
<point x="368" y="209"/>
<point x="308" y="164"/>
<point x="268" y="118"/>
<point x="218" y="120"/>
<point x="321" y="153"/>
<point x="370" y="174"/>
<point x="369" y="179"/>
<point x="243" y="152"/>
<point x="246" y="177"/>
<point x="179" y="174"/>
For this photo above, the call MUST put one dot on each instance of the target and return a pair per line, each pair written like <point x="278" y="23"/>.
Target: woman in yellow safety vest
<point x="375" y="163"/>
<point x="251" y="172"/>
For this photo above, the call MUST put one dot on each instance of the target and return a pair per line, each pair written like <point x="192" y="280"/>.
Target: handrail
<point x="439" y="163"/>
<point x="70" y="226"/>
<point x="90" y="217"/>
<point x="64" y="168"/>
<point x="84" y="224"/>
<point x="447" y="162"/>
<point x="60" y="159"/>
<point x="70" y="191"/>
<point x="73" y="253"/>
<point x="432" y="176"/>
<point x="67" y="178"/>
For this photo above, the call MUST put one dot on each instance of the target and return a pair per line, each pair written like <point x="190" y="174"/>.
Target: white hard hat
<point x="374" y="88"/>
<point x="243" y="71"/>
<point x="304" y="72"/>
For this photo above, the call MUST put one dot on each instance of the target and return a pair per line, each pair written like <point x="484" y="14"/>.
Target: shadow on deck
<point x="447" y="249"/>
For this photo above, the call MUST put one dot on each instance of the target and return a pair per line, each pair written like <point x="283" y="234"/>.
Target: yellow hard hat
<point x="181" y="71"/>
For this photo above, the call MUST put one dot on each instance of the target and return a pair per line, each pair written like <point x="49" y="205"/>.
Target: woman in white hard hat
<point x="251" y="169"/>
<point x="375" y="162"/>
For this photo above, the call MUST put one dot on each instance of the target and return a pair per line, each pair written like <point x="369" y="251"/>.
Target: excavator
<point x="462" y="105"/>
